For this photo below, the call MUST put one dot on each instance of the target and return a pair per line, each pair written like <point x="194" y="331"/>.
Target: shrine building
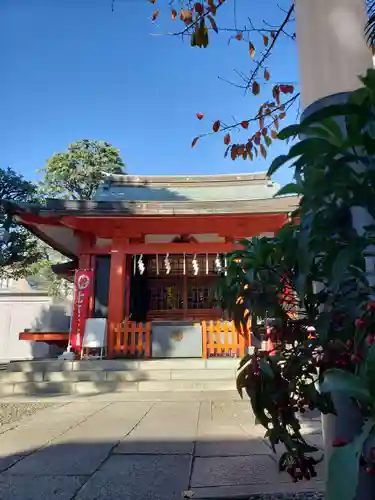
<point x="156" y="245"/>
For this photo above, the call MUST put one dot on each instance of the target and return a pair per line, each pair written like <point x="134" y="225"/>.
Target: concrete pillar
<point x="332" y="48"/>
<point x="332" y="54"/>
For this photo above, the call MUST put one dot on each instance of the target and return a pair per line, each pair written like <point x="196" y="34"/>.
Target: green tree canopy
<point x="76" y="173"/>
<point x="18" y="248"/>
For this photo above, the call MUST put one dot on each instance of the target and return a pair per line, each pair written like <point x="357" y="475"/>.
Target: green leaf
<point x="332" y="125"/>
<point x="290" y="188"/>
<point x="265" y="368"/>
<point x="277" y="163"/>
<point x="291" y="131"/>
<point x="333" y="111"/>
<point x="341" y="265"/>
<point x="343" y="467"/>
<point x="360" y="95"/>
<point x="268" y="141"/>
<point x="314" y="146"/>
<point x="342" y="382"/>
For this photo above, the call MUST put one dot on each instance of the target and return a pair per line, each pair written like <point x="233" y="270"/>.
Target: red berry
<point x="355" y="359"/>
<point x="338" y="442"/>
<point x="360" y="323"/>
<point x="371" y="306"/>
<point x="370" y="339"/>
<point x="349" y="343"/>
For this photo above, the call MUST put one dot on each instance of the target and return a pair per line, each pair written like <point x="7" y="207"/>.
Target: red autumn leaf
<point x="155" y="14"/>
<point x="266" y="75"/>
<point x="216" y="126"/>
<point x="200" y="116"/>
<point x="249" y="146"/>
<point x="257" y="139"/>
<point x="234" y="152"/>
<point x="276" y="93"/>
<point x="287" y="89"/>
<point x="198" y="7"/>
<point x="227" y="139"/>
<point x="174" y="14"/>
<point x="263" y="151"/>
<point x="213" y="24"/>
<point x="255" y="88"/>
<point x="245" y="124"/>
<point x="274" y="134"/>
<point x="186" y="16"/>
<point x="239" y="36"/>
<point x="264" y="132"/>
<point x="195" y="140"/>
<point x="282" y="116"/>
<point x="244" y="154"/>
<point x="251" y="50"/>
<point x="266" y="40"/>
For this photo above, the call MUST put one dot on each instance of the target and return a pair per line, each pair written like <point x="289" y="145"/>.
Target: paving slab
<point x="223" y="437"/>
<point x="39" y="487"/>
<point x="82" y="449"/>
<point x="139" y="478"/>
<point x="263" y="490"/>
<point x="227" y="471"/>
<point x="38" y="431"/>
<point x="169" y="428"/>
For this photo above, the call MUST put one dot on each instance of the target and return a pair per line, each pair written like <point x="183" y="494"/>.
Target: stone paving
<point x="150" y="446"/>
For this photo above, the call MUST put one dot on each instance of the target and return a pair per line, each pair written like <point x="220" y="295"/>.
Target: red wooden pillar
<point x="128" y="271"/>
<point x="116" y="300"/>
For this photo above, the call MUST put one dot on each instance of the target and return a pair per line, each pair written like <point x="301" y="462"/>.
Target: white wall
<point x="34" y="312"/>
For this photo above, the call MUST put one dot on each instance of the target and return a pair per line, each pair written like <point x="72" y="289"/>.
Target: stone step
<point x="45" y="366"/>
<point x="103" y="387"/>
<point x="103" y="376"/>
<point x="115" y="375"/>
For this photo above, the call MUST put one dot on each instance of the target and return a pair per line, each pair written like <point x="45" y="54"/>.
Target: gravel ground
<point x="12" y="412"/>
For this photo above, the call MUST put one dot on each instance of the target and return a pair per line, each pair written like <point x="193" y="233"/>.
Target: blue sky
<point x="74" y="69"/>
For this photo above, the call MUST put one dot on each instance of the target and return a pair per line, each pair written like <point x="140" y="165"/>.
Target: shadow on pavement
<point x="140" y="469"/>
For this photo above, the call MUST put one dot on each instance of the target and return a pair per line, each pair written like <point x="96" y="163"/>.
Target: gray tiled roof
<point x="241" y="187"/>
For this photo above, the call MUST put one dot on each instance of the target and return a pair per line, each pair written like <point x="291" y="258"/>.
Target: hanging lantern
<point x="195" y="265"/>
<point x="141" y="265"/>
<point x="157" y="264"/>
<point x="225" y="266"/>
<point x="218" y="265"/>
<point x="184" y="264"/>
<point x="206" y="263"/>
<point x="167" y="264"/>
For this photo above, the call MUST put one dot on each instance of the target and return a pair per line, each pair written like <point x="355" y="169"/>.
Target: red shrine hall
<point x="153" y="247"/>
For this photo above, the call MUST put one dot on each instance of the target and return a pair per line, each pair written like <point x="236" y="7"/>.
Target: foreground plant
<point x="326" y="257"/>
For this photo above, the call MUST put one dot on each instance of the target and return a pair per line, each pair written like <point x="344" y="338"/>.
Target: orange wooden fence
<point x="132" y="339"/>
<point x="221" y="338"/>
